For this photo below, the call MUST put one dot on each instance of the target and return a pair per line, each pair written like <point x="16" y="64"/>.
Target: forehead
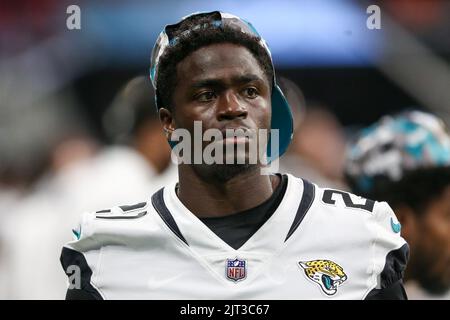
<point x="218" y="61"/>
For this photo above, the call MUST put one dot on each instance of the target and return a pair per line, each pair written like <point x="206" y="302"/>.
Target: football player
<point x="227" y="231"/>
<point x="405" y="160"/>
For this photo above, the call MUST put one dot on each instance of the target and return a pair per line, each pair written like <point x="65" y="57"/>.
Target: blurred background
<point x="78" y="128"/>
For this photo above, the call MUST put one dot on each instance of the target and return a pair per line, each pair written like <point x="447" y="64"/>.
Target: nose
<point x="230" y="107"/>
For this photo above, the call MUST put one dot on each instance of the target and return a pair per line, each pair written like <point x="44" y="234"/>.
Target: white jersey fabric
<point x="319" y="243"/>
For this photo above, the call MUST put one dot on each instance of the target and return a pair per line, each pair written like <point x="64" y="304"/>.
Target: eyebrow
<point x="221" y="83"/>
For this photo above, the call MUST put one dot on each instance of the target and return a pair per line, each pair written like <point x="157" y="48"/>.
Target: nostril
<point x="233" y="113"/>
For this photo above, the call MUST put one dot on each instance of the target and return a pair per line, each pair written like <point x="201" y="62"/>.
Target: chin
<point x="225" y="172"/>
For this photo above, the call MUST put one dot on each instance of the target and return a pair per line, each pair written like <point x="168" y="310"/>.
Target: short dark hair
<point x="196" y="38"/>
<point x="131" y="109"/>
<point x="417" y="189"/>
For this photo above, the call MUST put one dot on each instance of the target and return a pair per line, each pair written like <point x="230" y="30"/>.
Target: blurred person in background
<point x="48" y="142"/>
<point x="83" y="175"/>
<point x="132" y="124"/>
<point x="317" y="151"/>
<point x="32" y="128"/>
<point x="405" y="161"/>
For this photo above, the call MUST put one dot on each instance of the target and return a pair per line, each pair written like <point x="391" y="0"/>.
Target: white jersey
<point x="319" y="243"/>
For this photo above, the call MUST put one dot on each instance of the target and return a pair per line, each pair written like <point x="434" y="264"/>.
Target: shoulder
<point x="103" y="227"/>
<point x="368" y="224"/>
<point x="364" y="227"/>
<point x="377" y="216"/>
<point x="114" y="227"/>
<point x="124" y="212"/>
<point x="338" y="202"/>
<point x="344" y="203"/>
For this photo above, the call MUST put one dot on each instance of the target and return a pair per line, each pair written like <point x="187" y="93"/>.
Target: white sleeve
<point x="79" y="258"/>
<point x="390" y="250"/>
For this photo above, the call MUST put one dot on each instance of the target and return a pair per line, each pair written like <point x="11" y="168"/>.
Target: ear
<point x="167" y="121"/>
<point x="408" y="219"/>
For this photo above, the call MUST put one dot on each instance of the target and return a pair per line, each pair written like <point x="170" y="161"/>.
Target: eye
<point x="251" y="92"/>
<point x="206" y="96"/>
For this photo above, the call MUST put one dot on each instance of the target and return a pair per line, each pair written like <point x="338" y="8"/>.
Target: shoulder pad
<point x="88" y="223"/>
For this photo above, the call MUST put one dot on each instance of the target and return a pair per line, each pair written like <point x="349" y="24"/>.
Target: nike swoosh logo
<point x="396" y="227"/>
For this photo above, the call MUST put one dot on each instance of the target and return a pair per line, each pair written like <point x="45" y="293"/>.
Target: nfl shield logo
<point x="236" y="269"/>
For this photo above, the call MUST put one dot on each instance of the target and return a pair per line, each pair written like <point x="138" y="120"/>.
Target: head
<point x="421" y="201"/>
<point x="405" y="161"/>
<point x="220" y="76"/>
<point x="132" y="119"/>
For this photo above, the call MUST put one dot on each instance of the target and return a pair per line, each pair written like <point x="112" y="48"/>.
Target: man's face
<point x="430" y="252"/>
<point x="224" y="87"/>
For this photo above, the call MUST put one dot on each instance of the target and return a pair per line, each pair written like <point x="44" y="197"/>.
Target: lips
<point x="235" y="140"/>
<point x="234" y="131"/>
<point x="236" y="134"/>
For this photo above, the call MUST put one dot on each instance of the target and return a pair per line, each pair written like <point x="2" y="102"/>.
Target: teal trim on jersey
<point x="396" y="227"/>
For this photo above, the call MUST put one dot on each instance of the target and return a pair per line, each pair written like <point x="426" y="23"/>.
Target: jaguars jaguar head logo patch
<point x="327" y="274"/>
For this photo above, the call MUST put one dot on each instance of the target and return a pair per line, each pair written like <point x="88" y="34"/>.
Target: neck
<point x="214" y="198"/>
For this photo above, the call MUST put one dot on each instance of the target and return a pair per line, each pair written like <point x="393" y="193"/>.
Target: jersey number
<point x="328" y="198"/>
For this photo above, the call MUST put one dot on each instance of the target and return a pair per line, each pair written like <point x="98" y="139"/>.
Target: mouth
<point x="235" y="140"/>
<point x="238" y="135"/>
